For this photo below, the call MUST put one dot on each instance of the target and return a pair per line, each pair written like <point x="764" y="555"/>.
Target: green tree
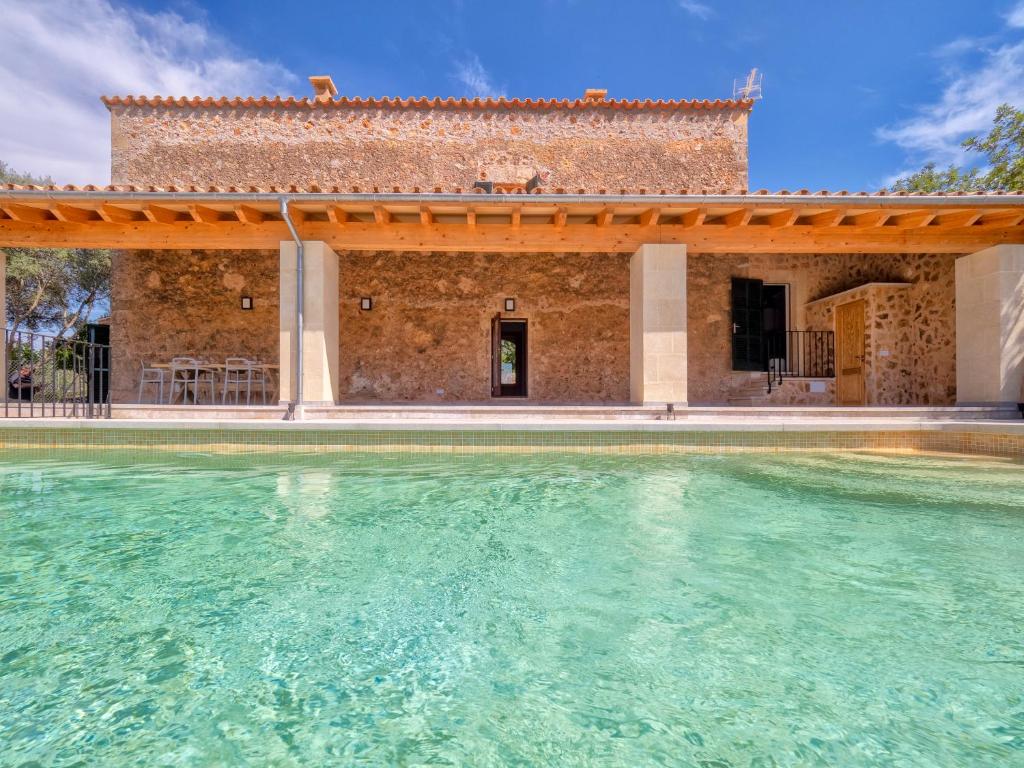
<point x="1003" y="150"/>
<point x="55" y="290"/>
<point x="929" y="179"/>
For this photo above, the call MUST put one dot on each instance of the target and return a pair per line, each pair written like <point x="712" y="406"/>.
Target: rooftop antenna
<point x="749" y="89"/>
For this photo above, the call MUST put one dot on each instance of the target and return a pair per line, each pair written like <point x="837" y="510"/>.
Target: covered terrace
<point x="659" y="229"/>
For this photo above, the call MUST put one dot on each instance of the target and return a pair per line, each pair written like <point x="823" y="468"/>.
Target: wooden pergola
<point x="130" y="218"/>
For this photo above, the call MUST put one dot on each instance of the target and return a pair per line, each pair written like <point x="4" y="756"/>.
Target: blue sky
<point x="854" y="92"/>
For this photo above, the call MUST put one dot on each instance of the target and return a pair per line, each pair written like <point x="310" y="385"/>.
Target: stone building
<point x="592" y="250"/>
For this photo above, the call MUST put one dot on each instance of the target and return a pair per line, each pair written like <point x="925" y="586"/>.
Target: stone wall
<point x="926" y="365"/>
<point x="449" y="147"/>
<point x="428" y="336"/>
<point x="429" y="328"/>
<point x="166" y="304"/>
<point x="890" y="356"/>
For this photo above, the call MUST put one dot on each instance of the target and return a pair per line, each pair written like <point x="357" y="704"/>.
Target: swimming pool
<point x="717" y="610"/>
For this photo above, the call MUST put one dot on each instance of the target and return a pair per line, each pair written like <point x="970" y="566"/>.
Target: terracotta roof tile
<point x="424" y="103"/>
<point x="294" y="189"/>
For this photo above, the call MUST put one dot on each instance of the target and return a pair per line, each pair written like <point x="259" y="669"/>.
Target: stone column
<point x="990" y="326"/>
<point x="657" y="325"/>
<point x="320" y="323"/>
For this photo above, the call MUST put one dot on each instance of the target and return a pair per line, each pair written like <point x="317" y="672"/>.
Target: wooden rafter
<point x="649" y="218"/>
<point x="828" y="218"/>
<point x="115" y="214"/>
<point x="785" y="218"/>
<point x="71" y="213"/>
<point x="203" y="214"/>
<point x="738" y="218"/>
<point x="694" y="218"/>
<point x="872" y="219"/>
<point x="20" y="212"/>
<point x="817" y="226"/>
<point x="958" y="219"/>
<point x="249" y="215"/>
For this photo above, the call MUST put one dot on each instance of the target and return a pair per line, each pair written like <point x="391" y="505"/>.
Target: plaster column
<point x="320" y="323"/>
<point x="990" y="326"/>
<point x="657" y="325"/>
<point x="3" y="322"/>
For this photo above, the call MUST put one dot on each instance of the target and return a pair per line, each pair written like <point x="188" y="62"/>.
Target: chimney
<point x="323" y="87"/>
<point x="595" y="95"/>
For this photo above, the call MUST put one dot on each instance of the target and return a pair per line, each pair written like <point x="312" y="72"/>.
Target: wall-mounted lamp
<point x="366" y="303"/>
<point x="510" y="305"/>
<point x="247" y="302"/>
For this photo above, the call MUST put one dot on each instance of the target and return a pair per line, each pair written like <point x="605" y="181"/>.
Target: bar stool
<point x="188" y="372"/>
<point x="155" y="376"/>
<point x="240" y="372"/>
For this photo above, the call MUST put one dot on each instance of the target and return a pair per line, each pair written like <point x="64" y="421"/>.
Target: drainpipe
<point x="295" y="408"/>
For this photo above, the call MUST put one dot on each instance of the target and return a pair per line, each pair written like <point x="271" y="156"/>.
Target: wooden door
<point x="850" y="353"/>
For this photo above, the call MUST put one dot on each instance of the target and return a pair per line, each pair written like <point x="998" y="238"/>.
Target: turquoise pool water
<point x="743" y="610"/>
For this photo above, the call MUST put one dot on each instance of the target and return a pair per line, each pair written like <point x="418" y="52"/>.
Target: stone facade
<point x="428" y="336"/>
<point x="167" y="304"/>
<point x="596" y="147"/>
<point x="922" y="367"/>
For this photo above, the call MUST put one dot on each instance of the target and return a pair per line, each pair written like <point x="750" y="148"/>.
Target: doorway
<point x="850" y="387"/>
<point x="760" y="322"/>
<point x="508" y="358"/>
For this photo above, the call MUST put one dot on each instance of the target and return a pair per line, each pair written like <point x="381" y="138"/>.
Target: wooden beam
<point x="160" y="215"/>
<point x="517" y="217"/>
<point x="249" y="215"/>
<point x="116" y="215"/>
<point x="471" y="218"/>
<point x="1005" y="218"/>
<point x="785" y="218"/>
<point x="649" y="218"/>
<point x="958" y="219"/>
<point x="25" y="212"/>
<point x="337" y="215"/>
<point x="694" y="218"/>
<point x="70" y="213"/>
<point x="233" y="235"/>
<point x="426" y="217"/>
<point x="381" y="215"/>
<point x="912" y="220"/>
<point x="203" y="214"/>
<point x="605" y="217"/>
<point x="828" y="218"/>
<point x="560" y="218"/>
<point x="872" y="219"/>
<point x="738" y="218"/>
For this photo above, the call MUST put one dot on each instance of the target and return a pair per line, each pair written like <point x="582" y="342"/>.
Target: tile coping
<point x="763" y="424"/>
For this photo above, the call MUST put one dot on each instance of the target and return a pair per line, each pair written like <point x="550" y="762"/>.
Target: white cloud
<point x="965" y="108"/>
<point x="1015" y="18"/>
<point x="57" y="57"/>
<point x="694" y="8"/>
<point x="476" y="80"/>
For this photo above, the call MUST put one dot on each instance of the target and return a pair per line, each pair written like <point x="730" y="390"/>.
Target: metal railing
<point x="799" y="354"/>
<point x="49" y="376"/>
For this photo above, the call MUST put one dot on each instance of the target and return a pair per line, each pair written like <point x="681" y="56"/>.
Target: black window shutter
<point x="747" y="325"/>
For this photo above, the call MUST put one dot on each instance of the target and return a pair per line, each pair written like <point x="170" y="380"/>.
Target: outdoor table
<point x="217" y="369"/>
